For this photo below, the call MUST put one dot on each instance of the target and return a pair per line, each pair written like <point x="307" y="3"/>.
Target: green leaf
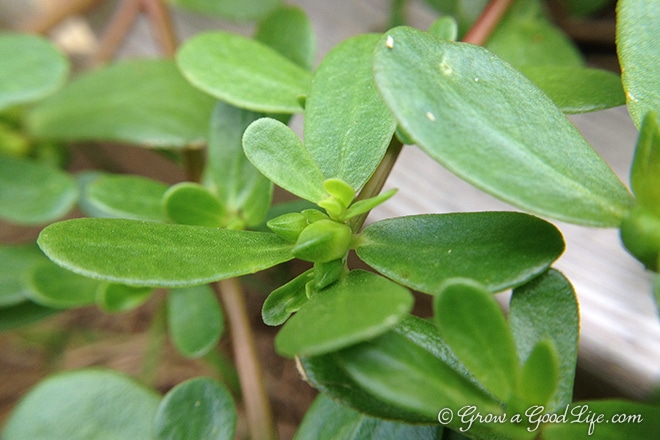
<point x="498" y="249"/>
<point x="606" y="419"/>
<point x="238" y="184"/>
<point x="366" y="205"/>
<point x="195" y="320"/>
<point x="464" y="12"/>
<point x="159" y="255"/>
<point x="323" y="241"/>
<point x="123" y="196"/>
<point x="547" y="309"/>
<point x="645" y="173"/>
<point x="16" y="263"/>
<point x="189" y="203"/>
<point x="527" y="37"/>
<point x="58" y="288"/>
<point x="243" y="72"/>
<point x="231" y="9"/>
<point x="578" y="89"/>
<point x="347" y="125"/>
<point x="31" y="69"/>
<point x="638" y="24"/>
<point x="32" y="193"/>
<point x="584" y="7"/>
<point x="329" y="420"/>
<point x="145" y="102"/>
<point x="99" y="405"/>
<point x="280" y="155"/>
<point x="23" y="314"/>
<point x="539" y="375"/>
<point x="334" y="318"/>
<point x="116" y="298"/>
<point x="289" y="31"/>
<point x="463" y="106"/>
<point x="285" y="300"/>
<point x="402" y="374"/>
<point x="472" y="323"/>
<point x="445" y="28"/>
<point x="200" y="409"/>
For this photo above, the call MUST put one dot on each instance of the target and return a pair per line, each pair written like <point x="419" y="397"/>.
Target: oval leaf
<point x="144" y="102"/>
<point x="540" y="375"/>
<point x="99" y="404"/>
<point x="32" y="193"/>
<point x="638" y="24"/>
<point x="16" y="263"/>
<point x="645" y="173"/>
<point x="347" y="125"/>
<point x="498" y="249"/>
<point x="159" y="255"/>
<point x="199" y="408"/>
<point x="289" y="32"/>
<point x="23" y="314"/>
<point x="31" y="69"/>
<point x="243" y="72"/>
<point x="195" y="320"/>
<point x="334" y="318"/>
<point x="285" y="300"/>
<point x="464" y="107"/>
<point x="189" y="203"/>
<point x="59" y="288"/>
<point x="116" y="298"/>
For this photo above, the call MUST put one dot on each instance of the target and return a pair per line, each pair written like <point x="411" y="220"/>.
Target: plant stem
<point x="116" y="31"/>
<point x="397" y="13"/>
<point x="257" y="408"/>
<point x="43" y="23"/>
<point x="194" y="162"/>
<point x="155" y="343"/>
<point x="487" y="22"/>
<point x="161" y="22"/>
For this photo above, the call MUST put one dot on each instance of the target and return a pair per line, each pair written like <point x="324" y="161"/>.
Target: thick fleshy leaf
<point x="32" y="193"/>
<point x="198" y="408"/>
<point x="527" y="37"/>
<point x="464" y="12"/>
<point x="638" y="23"/>
<point x="195" y="319"/>
<point x="281" y="156"/>
<point x="131" y="197"/>
<point x="539" y="375"/>
<point x="31" y="68"/>
<point x="289" y="31"/>
<point x="347" y="125"/>
<point x="547" y="309"/>
<point x="329" y="420"/>
<point x="53" y="286"/>
<point x="498" y="249"/>
<point x="645" y="173"/>
<point x="445" y="28"/>
<point x="606" y="419"/>
<point x="189" y="203"/>
<point x="578" y="89"/>
<point x="144" y="102"/>
<point x="159" y="255"/>
<point x="285" y="300"/>
<point x="116" y="298"/>
<point x="238" y="184"/>
<point x="463" y="106"/>
<point x="232" y="9"/>
<point x="16" y="263"/>
<point x="99" y="404"/>
<point x="243" y="72"/>
<point x="23" y="314"/>
<point x="472" y="323"/>
<point x="334" y="318"/>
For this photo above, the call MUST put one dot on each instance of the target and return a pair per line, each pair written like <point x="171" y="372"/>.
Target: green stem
<point x="156" y="336"/>
<point x="398" y="13"/>
<point x="257" y="407"/>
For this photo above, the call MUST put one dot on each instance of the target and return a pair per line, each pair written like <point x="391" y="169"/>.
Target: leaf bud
<point x="640" y="233"/>
<point x="288" y="226"/>
<point x="323" y="241"/>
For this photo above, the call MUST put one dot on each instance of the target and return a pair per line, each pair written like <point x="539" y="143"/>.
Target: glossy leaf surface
<point x="32" y="193"/>
<point x="16" y="263"/>
<point x="189" y="203"/>
<point x="645" y="173"/>
<point x="281" y="156"/>
<point x="242" y="189"/>
<point x="462" y="105"/>
<point x="333" y="318"/>
<point x="578" y="89"/>
<point x="31" y="68"/>
<point x="232" y="9"/>
<point x="347" y="125"/>
<point x="144" y="102"/>
<point x="498" y="249"/>
<point x="159" y="255"/>
<point x="539" y="375"/>
<point x="55" y="287"/>
<point x="195" y="319"/>
<point x="289" y="31"/>
<point x="198" y="408"/>
<point x="124" y="196"/>
<point x="285" y="300"/>
<point x="638" y="24"/>
<point x="472" y="323"/>
<point x="243" y="72"/>
<point x="547" y="308"/>
<point x="99" y="404"/>
<point x="329" y="420"/>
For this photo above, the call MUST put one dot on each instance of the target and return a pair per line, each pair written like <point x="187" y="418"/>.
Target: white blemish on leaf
<point x="430" y="116"/>
<point x="389" y="43"/>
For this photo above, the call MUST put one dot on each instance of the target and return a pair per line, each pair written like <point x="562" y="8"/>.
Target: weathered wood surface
<point x="620" y="333"/>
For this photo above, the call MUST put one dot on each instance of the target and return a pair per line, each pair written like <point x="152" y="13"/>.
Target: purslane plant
<point x="351" y="330"/>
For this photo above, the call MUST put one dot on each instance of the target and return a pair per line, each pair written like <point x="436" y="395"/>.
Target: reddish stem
<point x="116" y="31"/>
<point x="487" y="22"/>
<point x="161" y="22"/>
<point x="43" y="23"/>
